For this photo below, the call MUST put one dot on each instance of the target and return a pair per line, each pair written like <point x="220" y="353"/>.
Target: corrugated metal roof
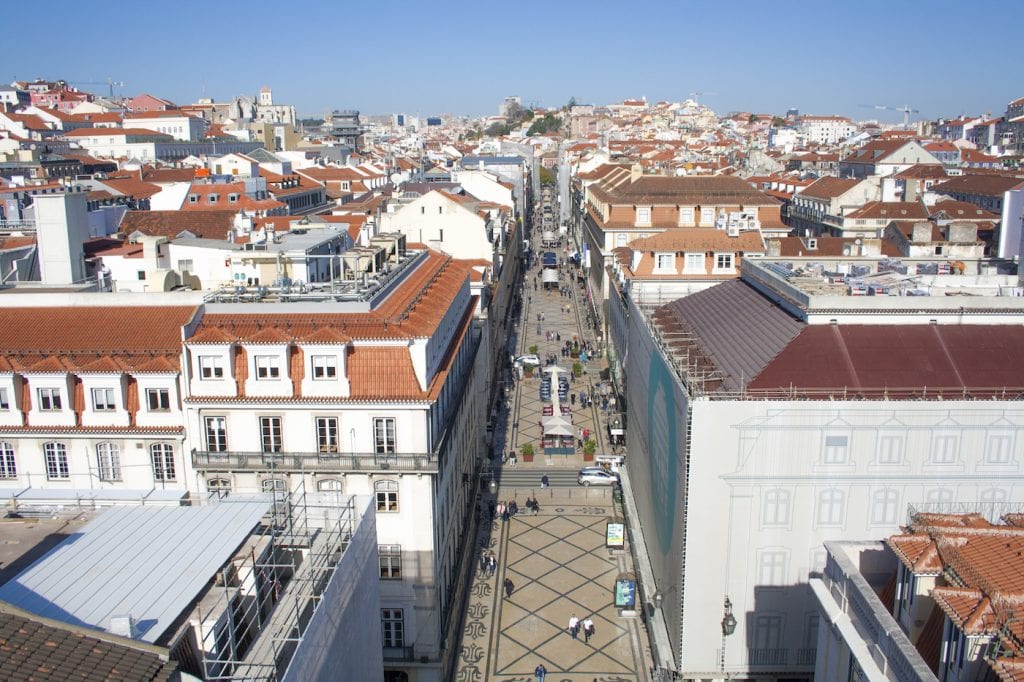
<point x="147" y="562"/>
<point x="737" y="328"/>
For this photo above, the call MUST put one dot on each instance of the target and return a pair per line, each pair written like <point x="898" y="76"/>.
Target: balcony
<point x="398" y="653"/>
<point x="314" y="462"/>
<point x="773" y="657"/>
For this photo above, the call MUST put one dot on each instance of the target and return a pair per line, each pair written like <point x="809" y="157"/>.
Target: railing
<point x="207" y="460"/>
<point x="17" y="226"/>
<point x="398" y="653"/>
<point x="806" y="656"/>
<point x="769" y="656"/>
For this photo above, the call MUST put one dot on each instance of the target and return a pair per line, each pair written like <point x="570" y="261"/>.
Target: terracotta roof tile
<point x="379" y="372"/>
<point x="203" y="224"/>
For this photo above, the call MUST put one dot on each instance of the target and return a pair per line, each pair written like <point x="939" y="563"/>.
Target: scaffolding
<point x="250" y="622"/>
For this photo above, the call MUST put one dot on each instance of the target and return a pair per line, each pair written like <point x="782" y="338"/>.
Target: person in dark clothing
<point x="509" y="587"/>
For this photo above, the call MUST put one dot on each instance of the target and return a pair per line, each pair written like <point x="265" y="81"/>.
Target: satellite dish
<point x="32" y="147"/>
<point x="857" y="241"/>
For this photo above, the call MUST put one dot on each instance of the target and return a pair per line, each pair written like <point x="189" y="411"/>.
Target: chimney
<point x="871" y="247"/>
<point x="963" y="232"/>
<point x="910" y="191"/>
<point x="636" y="171"/>
<point x="922" y="233"/>
<point x="773" y="248"/>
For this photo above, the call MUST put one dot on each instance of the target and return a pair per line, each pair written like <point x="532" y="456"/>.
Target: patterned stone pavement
<point x="556" y="560"/>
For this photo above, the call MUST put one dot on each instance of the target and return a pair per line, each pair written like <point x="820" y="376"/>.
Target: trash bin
<point x="617" y="494"/>
<point x="494" y="487"/>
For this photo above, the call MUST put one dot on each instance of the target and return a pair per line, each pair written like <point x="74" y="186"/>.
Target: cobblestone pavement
<point x="556" y="560"/>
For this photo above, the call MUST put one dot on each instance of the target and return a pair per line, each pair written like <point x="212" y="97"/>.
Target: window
<point x="885" y="506"/>
<point x="772" y="567"/>
<point x="232" y="198"/>
<point x="775" y="511"/>
<point x="707" y="216"/>
<point x="328" y="485"/>
<point x="393" y="627"/>
<point x="4" y="404"/>
<point x="211" y="367"/>
<point x="390" y="561"/>
<point x="831" y="504"/>
<point x="140" y="275"/>
<point x="384" y="435"/>
<point x="665" y="262"/>
<point x="890" y="450"/>
<point x="158" y="399"/>
<point x="275" y="487"/>
<point x="992" y="496"/>
<point x="212" y="198"/>
<point x="686" y="215"/>
<point x="108" y="461"/>
<point x="162" y="456"/>
<point x="695" y="264"/>
<point x="939" y="496"/>
<point x="270" y="434"/>
<point x="218" y="486"/>
<point x="8" y="467"/>
<point x="643" y="215"/>
<point x="767" y="632"/>
<point x="944" y="450"/>
<point x="49" y="399"/>
<point x="327" y="434"/>
<point x="103" y="399"/>
<point x="267" y="367"/>
<point x="193" y="198"/>
<point x="835" y="450"/>
<point x="216" y="434"/>
<point x="387" y="495"/>
<point x="723" y="262"/>
<point x="999" y="449"/>
<point x="56" y="456"/>
<point x="325" y="367"/>
<point x="185" y="264"/>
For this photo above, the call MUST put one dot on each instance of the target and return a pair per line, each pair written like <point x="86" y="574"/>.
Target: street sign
<point x="615" y="535"/>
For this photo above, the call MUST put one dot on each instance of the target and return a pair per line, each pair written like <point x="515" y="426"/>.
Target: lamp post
<point x="728" y="620"/>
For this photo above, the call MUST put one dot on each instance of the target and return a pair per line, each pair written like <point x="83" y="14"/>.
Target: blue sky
<point x="941" y="57"/>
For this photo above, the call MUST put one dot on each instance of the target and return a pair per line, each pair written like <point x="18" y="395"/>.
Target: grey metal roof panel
<point x="737" y="327"/>
<point x="147" y="562"/>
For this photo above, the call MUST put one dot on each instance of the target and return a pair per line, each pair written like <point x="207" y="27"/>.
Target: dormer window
<point x="49" y="399"/>
<point x="210" y="367"/>
<point x="193" y="198"/>
<point x="103" y="400"/>
<point x="213" y="198"/>
<point x="812" y="244"/>
<point x="643" y="215"/>
<point x="325" y="367"/>
<point x="267" y="367"/>
<point x="664" y="263"/>
<point x="232" y="198"/>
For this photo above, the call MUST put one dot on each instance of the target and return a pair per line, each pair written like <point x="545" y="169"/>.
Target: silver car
<point x="596" y="476"/>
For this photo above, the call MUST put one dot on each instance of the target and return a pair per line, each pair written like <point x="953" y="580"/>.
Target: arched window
<point x="387" y="496"/>
<point x="885" y="506"/>
<point x="8" y="467"/>
<point x="220" y="487"/>
<point x="108" y="461"/>
<point x="276" y="486"/>
<point x="329" y="485"/>
<point x="56" y="456"/>
<point x="831" y="507"/>
<point x="162" y="455"/>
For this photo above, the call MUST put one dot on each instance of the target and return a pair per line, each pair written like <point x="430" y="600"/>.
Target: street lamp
<point x="728" y="620"/>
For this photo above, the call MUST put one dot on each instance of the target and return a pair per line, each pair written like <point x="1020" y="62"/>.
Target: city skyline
<point x="467" y="59"/>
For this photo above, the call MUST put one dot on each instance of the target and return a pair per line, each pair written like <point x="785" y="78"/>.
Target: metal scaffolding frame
<point x="250" y="623"/>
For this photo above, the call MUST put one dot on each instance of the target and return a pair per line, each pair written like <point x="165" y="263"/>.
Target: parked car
<point x="528" y="360"/>
<point x="596" y="476"/>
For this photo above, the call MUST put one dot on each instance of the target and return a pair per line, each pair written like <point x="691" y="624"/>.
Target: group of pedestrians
<point x="506" y="510"/>
<point x="586" y="626"/>
<point x="488" y="564"/>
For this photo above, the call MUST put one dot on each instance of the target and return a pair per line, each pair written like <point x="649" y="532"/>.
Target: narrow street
<point x="555" y="558"/>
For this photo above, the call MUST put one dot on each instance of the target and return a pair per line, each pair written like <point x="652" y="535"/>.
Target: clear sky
<point x="942" y="57"/>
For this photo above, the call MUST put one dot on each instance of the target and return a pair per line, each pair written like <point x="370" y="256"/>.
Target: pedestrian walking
<point x="492" y="566"/>
<point x="490" y="509"/>
<point x="540" y="671"/>
<point x="574" y="626"/>
<point x="544" y="482"/>
<point x="483" y="563"/>
<point x="588" y="629"/>
<point x="509" y="588"/>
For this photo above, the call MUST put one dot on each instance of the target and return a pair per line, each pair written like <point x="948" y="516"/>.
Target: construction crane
<point x="110" y="83"/>
<point x="905" y="109"/>
<point x="695" y="95"/>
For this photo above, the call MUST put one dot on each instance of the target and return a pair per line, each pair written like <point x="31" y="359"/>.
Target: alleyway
<point x="556" y="559"/>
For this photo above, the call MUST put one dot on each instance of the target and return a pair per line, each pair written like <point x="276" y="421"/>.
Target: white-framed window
<point x="384" y="435"/>
<point x="945" y="449"/>
<point x="771" y="567"/>
<point x="158" y="399"/>
<point x="695" y="263"/>
<point x="275" y="487"/>
<point x="329" y="485"/>
<point x="686" y="215"/>
<point x="387" y="495"/>
<point x="108" y="461"/>
<point x="219" y="487"/>
<point x="835" y="451"/>
<point x="939" y="496"/>
<point x="392" y="622"/>
<point x="56" y="457"/>
<point x="723" y="262"/>
<point x="49" y="399"/>
<point x="268" y="367"/>
<point x="193" y="198"/>
<point x="211" y="367"/>
<point x="217" y="434"/>
<point x="620" y="239"/>
<point x="8" y="465"/>
<point x="185" y="264"/>
<point x="831" y="507"/>
<point x="890" y="449"/>
<point x="390" y="561"/>
<point x="643" y="215"/>
<point x="325" y="367"/>
<point x="885" y="507"/>
<point x="775" y="508"/>
<point x="999" y="449"/>
<point x="665" y="262"/>
<point x="103" y="400"/>
<point x="707" y="216"/>
<point x="327" y="434"/>
<point x="270" y="434"/>
<point x="4" y="402"/>
<point x="162" y="457"/>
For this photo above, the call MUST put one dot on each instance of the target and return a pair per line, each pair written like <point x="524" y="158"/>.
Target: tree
<point x="546" y="177"/>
